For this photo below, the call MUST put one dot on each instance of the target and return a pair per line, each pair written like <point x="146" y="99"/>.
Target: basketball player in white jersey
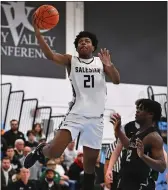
<point x="85" y="115"/>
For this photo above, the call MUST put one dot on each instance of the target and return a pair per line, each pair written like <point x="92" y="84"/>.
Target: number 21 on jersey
<point x="88" y="81"/>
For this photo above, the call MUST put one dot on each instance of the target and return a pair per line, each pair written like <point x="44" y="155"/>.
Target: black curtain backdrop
<point x="136" y="35"/>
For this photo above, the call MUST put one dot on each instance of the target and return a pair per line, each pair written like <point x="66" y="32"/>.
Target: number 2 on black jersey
<point x="88" y="81"/>
<point x="129" y="152"/>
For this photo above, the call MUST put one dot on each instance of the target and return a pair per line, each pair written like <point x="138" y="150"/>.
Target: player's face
<point x="142" y="115"/>
<point x="85" y="46"/>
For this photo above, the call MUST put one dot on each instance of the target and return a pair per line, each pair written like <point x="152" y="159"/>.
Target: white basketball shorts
<point x="90" y="129"/>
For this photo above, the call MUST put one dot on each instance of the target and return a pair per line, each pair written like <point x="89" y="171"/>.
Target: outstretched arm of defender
<point x="114" y="157"/>
<point x="116" y="121"/>
<point x="56" y="57"/>
<point x="156" y="161"/>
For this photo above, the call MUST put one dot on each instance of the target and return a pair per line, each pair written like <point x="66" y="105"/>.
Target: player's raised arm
<point x="113" y="159"/>
<point x="116" y="121"/>
<point x="56" y="57"/>
<point x="109" y="67"/>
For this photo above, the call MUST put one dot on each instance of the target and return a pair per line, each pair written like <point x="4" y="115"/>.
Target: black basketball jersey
<point x="130" y="130"/>
<point x="134" y="169"/>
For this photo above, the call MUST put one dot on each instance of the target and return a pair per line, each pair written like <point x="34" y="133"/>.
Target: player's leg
<point x="89" y="162"/>
<point x="54" y="149"/>
<point x="91" y="140"/>
<point x="68" y="132"/>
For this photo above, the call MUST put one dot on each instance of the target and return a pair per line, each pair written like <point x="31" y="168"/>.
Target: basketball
<point x="47" y="17"/>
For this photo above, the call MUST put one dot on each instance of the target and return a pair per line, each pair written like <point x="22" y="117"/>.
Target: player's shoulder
<point x="130" y="125"/>
<point x="97" y="58"/>
<point x="73" y="58"/>
<point x="68" y="56"/>
<point x="154" y="138"/>
<point x="131" y="128"/>
<point x="98" y="62"/>
<point x="154" y="135"/>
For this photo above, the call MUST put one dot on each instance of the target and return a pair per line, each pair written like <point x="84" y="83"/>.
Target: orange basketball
<point x="47" y="17"/>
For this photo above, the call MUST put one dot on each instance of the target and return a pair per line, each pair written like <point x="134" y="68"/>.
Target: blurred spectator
<point x="61" y="171"/>
<point x="38" y="132"/>
<point x="13" y="134"/>
<point x="35" y="169"/>
<point x="2" y="132"/>
<point x="48" y="182"/>
<point x="23" y="183"/>
<point x="14" y="160"/>
<point x="16" y="176"/>
<point x="62" y="158"/>
<point x="70" y="154"/>
<point x="26" y="151"/>
<point x="19" y="146"/>
<point x="51" y="164"/>
<point x="4" y="146"/>
<point x="6" y="173"/>
<point x="31" y="139"/>
<point x="76" y="168"/>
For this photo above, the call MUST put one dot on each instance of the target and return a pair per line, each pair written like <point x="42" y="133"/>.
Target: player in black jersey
<point x="144" y="149"/>
<point x="118" y="155"/>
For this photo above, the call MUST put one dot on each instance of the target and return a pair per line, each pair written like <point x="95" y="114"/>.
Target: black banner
<point x="20" y="52"/>
<point x="136" y="34"/>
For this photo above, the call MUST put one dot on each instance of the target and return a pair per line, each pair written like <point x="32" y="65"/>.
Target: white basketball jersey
<point x="89" y="87"/>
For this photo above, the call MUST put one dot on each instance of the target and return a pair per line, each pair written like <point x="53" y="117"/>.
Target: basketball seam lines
<point x="45" y="11"/>
<point x="47" y="23"/>
<point x="51" y="16"/>
<point x="42" y="24"/>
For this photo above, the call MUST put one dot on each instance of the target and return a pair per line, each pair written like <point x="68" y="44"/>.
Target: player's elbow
<point x="49" y="55"/>
<point x="116" y="82"/>
<point x="163" y="167"/>
<point x="162" y="170"/>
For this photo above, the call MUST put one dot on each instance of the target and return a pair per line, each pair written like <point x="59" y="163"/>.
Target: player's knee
<point x="53" y="152"/>
<point x="53" y="155"/>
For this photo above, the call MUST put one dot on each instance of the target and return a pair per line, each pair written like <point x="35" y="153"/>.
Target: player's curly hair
<point x="139" y="101"/>
<point x="153" y="107"/>
<point x="89" y="35"/>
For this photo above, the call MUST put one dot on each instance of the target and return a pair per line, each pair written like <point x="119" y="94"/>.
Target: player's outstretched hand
<point x="115" y="119"/>
<point x="105" y="57"/>
<point x="109" y="177"/>
<point x="140" y="148"/>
